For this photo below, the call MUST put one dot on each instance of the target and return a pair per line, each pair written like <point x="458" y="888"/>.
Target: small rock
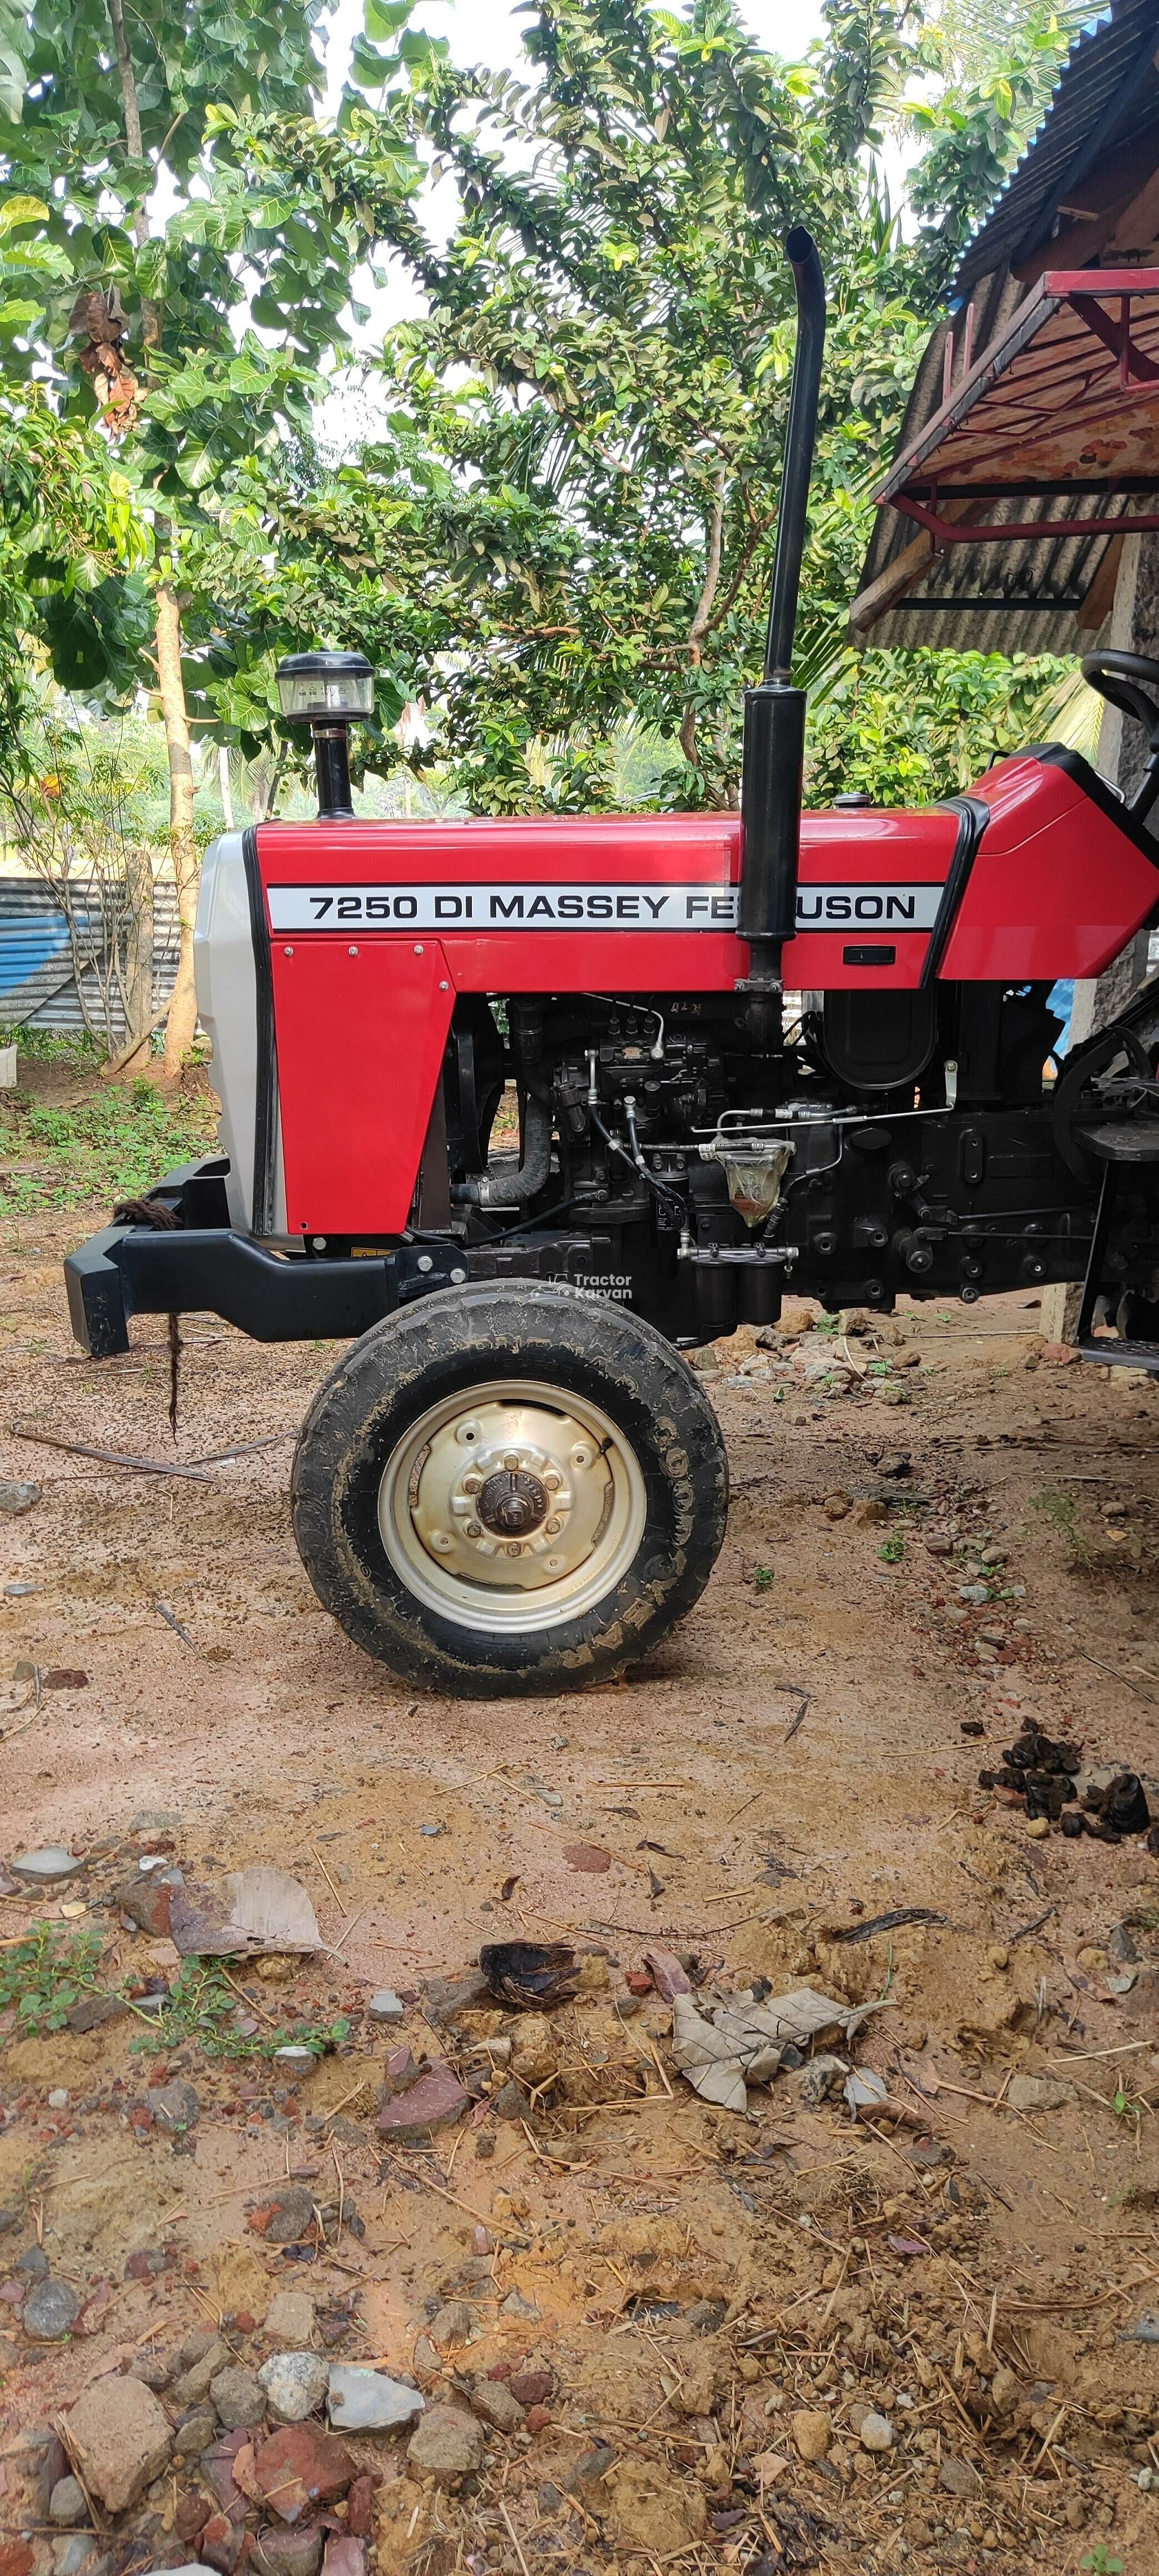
<point x="146" y="1900"/>
<point x="33" y="2264"/>
<point x="492" y="2399"/>
<point x="66" y="2504"/>
<point x="360" y="2506"/>
<point x="237" y="2397"/>
<point x="444" y="1998"/>
<point x="532" y="2387"/>
<point x="366" y="2401"/>
<point x="195" y="2435"/>
<point x="1037" y="1827"/>
<point x="217" y="2466"/>
<point x="301" y="2465"/>
<point x="959" y="2478"/>
<point x="297" y="2552"/>
<point x="119" y="2436"/>
<point x="447" y="2444"/>
<point x="876" y="2432"/>
<point x="822" y="2078"/>
<point x="869" y="1509"/>
<point x="74" y="2556"/>
<point x="427" y="2362"/>
<point x="290" y="2318"/>
<point x="193" y="2384"/>
<point x="175" y="2107"/>
<point x="285" y="2218"/>
<point x="812" y="2432"/>
<point x="515" y="2305"/>
<point x="345" y="2555"/>
<point x="15" y="1497"/>
<point x="509" y="2103"/>
<point x="50" y="2311"/>
<point x="42" y="1868"/>
<point x="451" y="2325"/>
<point x="586" y="2477"/>
<point x="385" y="2006"/>
<point x="433" y="2102"/>
<point x="1038" y="2093"/>
<point x="295" y="2384"/>
<point x="221" y="2543"/>
<point x="836" y="1505"/>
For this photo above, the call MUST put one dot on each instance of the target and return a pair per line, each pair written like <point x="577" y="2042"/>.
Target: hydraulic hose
<point x="513" y="1189"/>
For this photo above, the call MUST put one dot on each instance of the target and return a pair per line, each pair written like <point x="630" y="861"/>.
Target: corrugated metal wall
<point x="37" y="979"/>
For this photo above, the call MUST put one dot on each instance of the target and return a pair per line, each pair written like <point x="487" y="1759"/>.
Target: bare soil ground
<point x="693" y="2284"/>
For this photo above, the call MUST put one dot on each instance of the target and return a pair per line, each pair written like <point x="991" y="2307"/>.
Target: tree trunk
<point x="182" y="1019"/>
<point x="138" y="869"/>
<point x="138" y="956"/>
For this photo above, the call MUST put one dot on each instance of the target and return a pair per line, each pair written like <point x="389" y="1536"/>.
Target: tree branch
<point x="699" y="626"/>
<point x="130" y="108"/>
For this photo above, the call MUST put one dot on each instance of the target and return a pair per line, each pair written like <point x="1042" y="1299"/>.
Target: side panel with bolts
<point x="360" y="1028"/>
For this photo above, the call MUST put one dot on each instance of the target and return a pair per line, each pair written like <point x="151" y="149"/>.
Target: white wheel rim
<point x="512" y="1506"/>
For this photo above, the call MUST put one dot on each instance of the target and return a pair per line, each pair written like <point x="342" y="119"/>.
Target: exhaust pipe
<point x="774" y="713"/>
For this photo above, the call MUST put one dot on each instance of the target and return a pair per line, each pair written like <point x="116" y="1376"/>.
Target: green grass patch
<point x="204" y="2008"/>
<point x="112" y="1145"/>
<point x="45" y="1975"/>
<point x="47" y="1972"/>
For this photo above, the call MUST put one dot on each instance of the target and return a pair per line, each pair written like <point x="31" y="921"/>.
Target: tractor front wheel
<point x="509" y="1488"/>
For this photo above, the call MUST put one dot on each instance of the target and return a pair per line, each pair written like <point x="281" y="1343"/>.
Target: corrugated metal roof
<point x="1025" y="596"/>
<point x="1106" y="91"/>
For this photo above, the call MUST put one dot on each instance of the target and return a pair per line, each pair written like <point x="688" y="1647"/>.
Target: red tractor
<point x="512" y="1480"/>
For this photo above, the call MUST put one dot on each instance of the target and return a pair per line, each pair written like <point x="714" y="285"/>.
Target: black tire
<point x="663" y="1467"/>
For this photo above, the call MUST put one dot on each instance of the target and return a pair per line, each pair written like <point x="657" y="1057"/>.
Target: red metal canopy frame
<point x="1066" y="402"/>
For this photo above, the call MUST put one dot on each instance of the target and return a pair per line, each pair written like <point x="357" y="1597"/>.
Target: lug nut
<point x="553" y="1480"/>
<point x="553" y="1528"/>
<point x="513" y="1547"/>
<point x="511" y="1459"/>
<point x="472" y="1484"/>
<point x="474" y="1529"/>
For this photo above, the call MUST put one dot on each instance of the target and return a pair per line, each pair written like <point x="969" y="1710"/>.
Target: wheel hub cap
<point x="512" y="1503"/>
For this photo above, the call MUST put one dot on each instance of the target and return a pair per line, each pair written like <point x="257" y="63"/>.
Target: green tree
<point x="106" y="113"/>
<point x="568" y="525"/>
